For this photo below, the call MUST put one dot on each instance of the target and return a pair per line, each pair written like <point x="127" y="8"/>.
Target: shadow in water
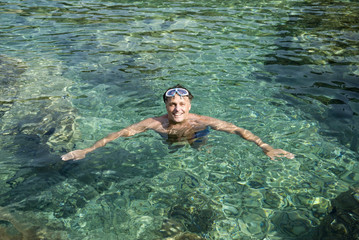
<point x="343" y="220"/>
<point x="314" y="64"/>
<point x="340" y="222"/>
<point x="39" y="177"/>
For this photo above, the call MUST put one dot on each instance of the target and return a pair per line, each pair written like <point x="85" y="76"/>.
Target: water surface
<point x="74" y="71"/>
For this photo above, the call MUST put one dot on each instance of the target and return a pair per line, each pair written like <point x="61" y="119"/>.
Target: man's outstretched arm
<point x="220" y="125"/>
<point x="126" y="132"/>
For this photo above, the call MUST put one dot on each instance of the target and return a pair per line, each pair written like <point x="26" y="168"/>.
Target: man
<point x="179" y="125"/>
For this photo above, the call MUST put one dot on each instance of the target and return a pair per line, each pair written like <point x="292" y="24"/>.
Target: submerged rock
<point x="28" y="226"/>
<point x="34" y="101"/>
<point x="343" y="220"/>
<point x="36" y="123"/>
<point x="10" y="71"/>
<point x="174" y="230"/>
<point x="192" y="216"/>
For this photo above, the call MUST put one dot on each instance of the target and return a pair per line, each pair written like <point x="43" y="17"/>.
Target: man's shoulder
<point x="150" y="123"/>
<point x="194" y="115"/>
<point x="198" y="117"/>
<point x="160" y="118"/>
<point x="156" y="120"/>
<point x="206" y="120"/>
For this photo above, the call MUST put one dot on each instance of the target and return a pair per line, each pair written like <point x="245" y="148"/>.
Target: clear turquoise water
<point x="73" y="71"/>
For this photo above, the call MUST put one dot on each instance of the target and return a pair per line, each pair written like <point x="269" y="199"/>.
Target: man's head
<point x="178" y="103"/>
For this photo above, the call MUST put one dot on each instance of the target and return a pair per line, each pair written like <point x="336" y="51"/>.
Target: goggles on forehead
<point x="180" y="91"/>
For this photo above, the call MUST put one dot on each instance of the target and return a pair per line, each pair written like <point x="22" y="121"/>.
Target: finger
<point x="290" y="155"/>
<point x="287" y="154"/>
<point x="67" y="156"/>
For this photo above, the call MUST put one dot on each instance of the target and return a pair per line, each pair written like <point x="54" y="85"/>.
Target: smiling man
<point x="179" y="125"/>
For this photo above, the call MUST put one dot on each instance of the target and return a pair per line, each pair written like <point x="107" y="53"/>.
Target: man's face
<point x="178" y="108"/>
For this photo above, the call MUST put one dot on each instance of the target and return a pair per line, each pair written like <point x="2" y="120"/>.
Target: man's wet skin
<point x="180" y="125"/>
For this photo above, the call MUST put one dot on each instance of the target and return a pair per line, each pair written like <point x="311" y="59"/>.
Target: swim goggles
<point x="180" y="91"/>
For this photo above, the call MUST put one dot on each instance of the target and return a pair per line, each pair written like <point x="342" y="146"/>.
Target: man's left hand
<point x="274" y="153"/>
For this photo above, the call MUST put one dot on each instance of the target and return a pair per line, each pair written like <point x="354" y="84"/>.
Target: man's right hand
<point x="75" y="155"/>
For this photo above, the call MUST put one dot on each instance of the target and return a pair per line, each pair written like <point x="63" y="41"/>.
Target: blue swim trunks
<point x="202" y="133"/>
